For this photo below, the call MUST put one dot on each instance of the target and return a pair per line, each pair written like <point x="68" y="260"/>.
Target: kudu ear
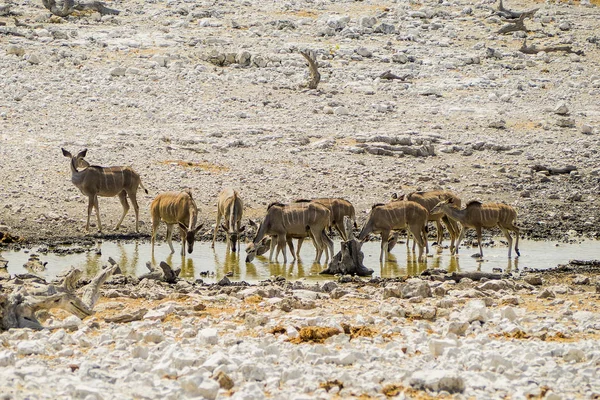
<point x="82" y="153"/>
<point x="242" y="229"/>
<point x="450" y="200"/>
<point x="252" y="223"/>
<point x="198" y="228"/>
<point x="394" y="196"/>
<point x="66" y="153"/>
<point x="183" y="226"/>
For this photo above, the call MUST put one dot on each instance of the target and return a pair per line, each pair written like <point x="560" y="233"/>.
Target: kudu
<point x="230" y="206"/>
<point x="94" y="181"/>
<point x="477" y="215"/>
<point x="385" y="218"/>
<point x="429" y="200"/>
<point x="176" y="208"/>
<point x="339" y="209"/>
<point x="295" y="220"/>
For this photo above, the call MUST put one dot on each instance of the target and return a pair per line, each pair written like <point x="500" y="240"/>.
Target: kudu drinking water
<point x="94" y="181"/>
<point x="477" y="215"/>
<point x="176" y="208"/>
<point x="230" y="206"/>
<point x="284" y="222"/>
<point x="429" y="200"/>
<point x="395" y="215"/>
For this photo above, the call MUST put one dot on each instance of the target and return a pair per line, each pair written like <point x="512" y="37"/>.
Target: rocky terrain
<point x="535" y="337"/>
<point x="210" y="94"/>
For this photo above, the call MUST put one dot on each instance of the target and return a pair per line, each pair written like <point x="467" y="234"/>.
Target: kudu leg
<point x="155" y="224"/>
<point x="328" y="243"/>
<point x="508" y="238"/>
<point x="440" y="232"/>
<point x="97" y="213"/>
<point x="479" y="241"/>
<point x="169" y="235"/>
<point x="318" y="241"/>
<point x="272" y="247"/>
<point x="290" y="244"/>
<point x="136" y="209"/>
<point x="89" y="213"/>
<point x="125" y="204"/>
<point x="385" y="236"/>
<point x="418" y="237"/>
<point x="461" y="235"/>
<point x="182" y="234"/>
<point x="281" y="247"/>
<point x="216" y="229"/>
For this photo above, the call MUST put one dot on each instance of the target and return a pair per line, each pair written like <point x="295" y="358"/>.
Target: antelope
<point x="429" y="200"/>
<point x="395" y="215"/>
<point x="176" y="208"/>
<point x="477" y="215"/>
<point x="295" y="220"/>
<point x="94" y="181"/>
<point x="339" y="209"/>
<point x="230" y="206"/>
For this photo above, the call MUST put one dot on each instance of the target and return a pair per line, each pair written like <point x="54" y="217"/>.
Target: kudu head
<point x="232" y="236"/>
<point x="190" y="236"/>
<point x="254" y="249"/>
<point x="77" y="161"/>
<point x="438" y="207"/>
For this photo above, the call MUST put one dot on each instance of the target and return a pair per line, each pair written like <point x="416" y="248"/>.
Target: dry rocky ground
<point x="209" y="94"/>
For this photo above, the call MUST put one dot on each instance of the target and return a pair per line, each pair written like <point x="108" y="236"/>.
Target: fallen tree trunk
<point x="553" y="170"/>
<point x="18" y="310"/>
<point x="534" y="50"/>
<point x="516" y="25"/>
<point x="68" y="6"/>
<point x="348" y="261"/>
<point x="163" y="272"/>
<point x="509" y="14"/>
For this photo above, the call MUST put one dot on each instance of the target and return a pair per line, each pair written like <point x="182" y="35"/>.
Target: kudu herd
<point x="297" y="220"/>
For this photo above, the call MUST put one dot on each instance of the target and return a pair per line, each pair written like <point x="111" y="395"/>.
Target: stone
<point x="224" y="381"/>
<point x="415" y="288"/>
<point x="208" y="336"/>
<point x="7" y="358"/>
<point x="118" y="71"/>
<point x="535" y="280"/>
<point x="34" y="59"/>
<point x="437" y="381"/>
<point x="400" y="58"/>
<point x="546" y="294"/>
<point x="15" y="50"/>
<point x="575" y="355"/>
<point x="508" y="313"/>
<point x="364" y="52"/>
<point x="565" y="122"/>
<point x="437" y="346"/>
<point x="581" y="280"/>
<point x="154" y="336"/>
<point x="561" y="109"/>
<point x="196" y="385"/>
<point x="587" y="129"/>
<point x="475" y="310"/>
<point x="29" y="347"/>
<point x="458" y="328"/>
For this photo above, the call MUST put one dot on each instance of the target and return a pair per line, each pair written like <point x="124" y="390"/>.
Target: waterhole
<point x="211" y="265"/>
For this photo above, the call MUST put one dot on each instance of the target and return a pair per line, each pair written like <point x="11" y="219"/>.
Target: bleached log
<point x="68" y="6"/>
<point x="549" y="49"/>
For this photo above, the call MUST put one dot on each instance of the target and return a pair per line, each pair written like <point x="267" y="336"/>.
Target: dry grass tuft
<point x="277" y="330"/>
<point x="203" y="165"/>
<point x="331" y="384"/>
<point x="254" y="299"/>
<point x="358" y="331"/>
<point x="314" y="334"/>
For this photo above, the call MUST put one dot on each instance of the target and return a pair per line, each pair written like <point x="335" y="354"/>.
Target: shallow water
<point x="132" y="257"/>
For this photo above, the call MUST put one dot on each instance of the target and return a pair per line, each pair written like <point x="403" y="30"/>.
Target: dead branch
<point x="315" y="76"/>
<point x="68" y="6"/>
<point x="18" y="310"/>
<point x="508" y="14"/>
<point x="553" y="170"/>
<point x="127" y="316"/>
<point x="10" y="32"/>
<point x="457" y="276"/>
<point x="390" y="76"/>
<point x="163" y="272"/>
<point x="518" y="25"/>
<point x="534" y="50"/>
<point x="348" y="261"/>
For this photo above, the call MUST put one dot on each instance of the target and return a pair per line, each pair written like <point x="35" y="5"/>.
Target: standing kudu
<point x="176" y="208"/>
<point x="230" y="206"/>
<point x="339" y="208"/>
<point x="429" y="200"/>
<point x="477" y="215"/>
<point x="295" y="220"/>
<point x="94" y="181"/>
<point x="385" y="218"/>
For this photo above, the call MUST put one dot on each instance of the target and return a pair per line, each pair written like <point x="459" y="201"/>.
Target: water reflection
<point x="133" y="256"/>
